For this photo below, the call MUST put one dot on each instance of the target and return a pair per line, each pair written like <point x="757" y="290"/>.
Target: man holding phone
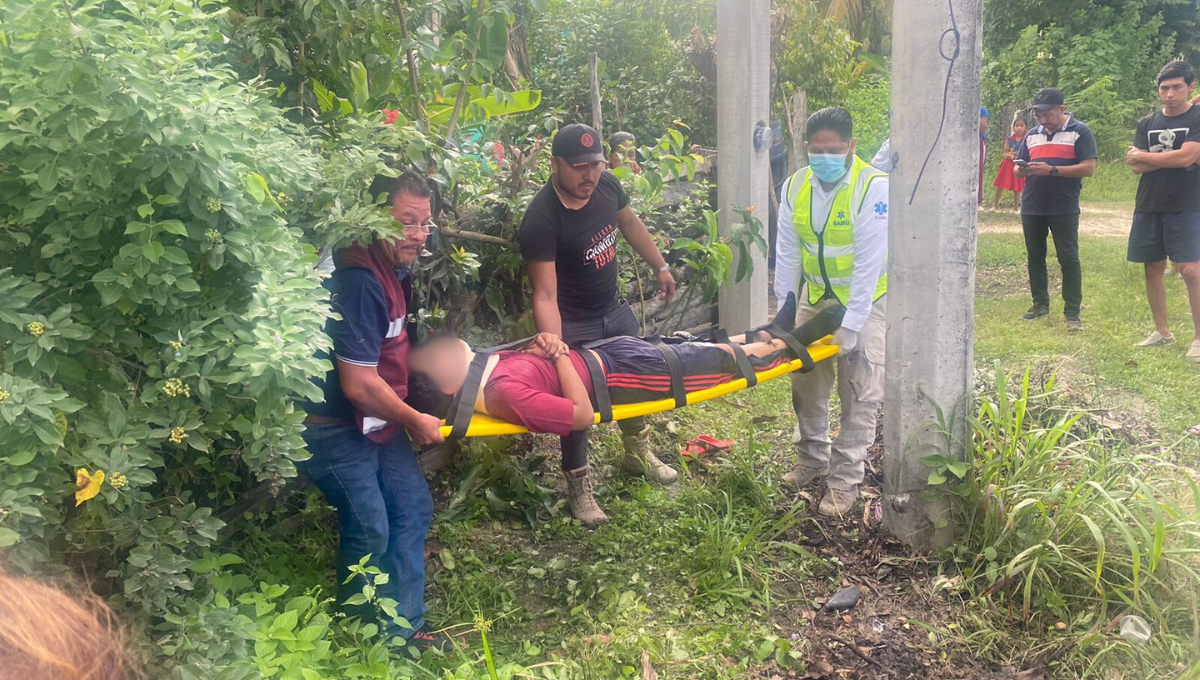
<point x="1054" y="158"/>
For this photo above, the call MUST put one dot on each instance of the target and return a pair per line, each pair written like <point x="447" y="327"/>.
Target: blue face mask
<point x="828" y="167"/>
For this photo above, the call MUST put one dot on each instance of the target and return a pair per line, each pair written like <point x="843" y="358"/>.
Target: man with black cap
<point x="568" y="240"/>
<point x="1054" y="158"/>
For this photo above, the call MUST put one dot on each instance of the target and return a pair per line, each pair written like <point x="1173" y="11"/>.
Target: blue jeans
<point x="384" y="507"/>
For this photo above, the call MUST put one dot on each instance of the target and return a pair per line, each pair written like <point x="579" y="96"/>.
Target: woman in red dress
<point x="1006" y="180"/>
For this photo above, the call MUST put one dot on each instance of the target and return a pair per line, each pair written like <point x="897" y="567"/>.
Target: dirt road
<point x="1097" y="220"/>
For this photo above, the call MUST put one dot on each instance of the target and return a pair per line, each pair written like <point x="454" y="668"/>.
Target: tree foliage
<point x="647" y="81"/>
<point x="1102" y="55"/>
<point x="813" y="53"/>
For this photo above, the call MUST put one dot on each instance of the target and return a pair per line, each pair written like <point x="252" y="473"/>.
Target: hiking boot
<point x="639" y="460"/>
<point x="1035" y="312"/>
<point x="423" y="641"/>
<point x="1193" y="352"/>
<point x="1074" y="324"/>
<point x="1157" y="339"/>
<point x="802" y="475"/>
<point x="579" y="497"/>
<point x="837" y="503"/>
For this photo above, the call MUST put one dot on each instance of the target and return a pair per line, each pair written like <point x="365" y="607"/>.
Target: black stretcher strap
<point x="745" y="370"/>
<point x="599" y="379"/>
<point x="599" y="385"/>
<point x="464" y="405"/>
<point x="674" y="369"/>
<point x="797" y="348"/>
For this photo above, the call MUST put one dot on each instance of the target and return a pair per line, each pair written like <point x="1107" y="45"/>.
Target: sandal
<point x="703" y="446"/>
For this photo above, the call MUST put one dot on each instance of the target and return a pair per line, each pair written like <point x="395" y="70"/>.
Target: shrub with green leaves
<point x="158" y="315"/>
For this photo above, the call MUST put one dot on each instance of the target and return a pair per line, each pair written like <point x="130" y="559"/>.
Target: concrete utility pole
<point x="936" y="47"/>
<point x="743" y="142"/>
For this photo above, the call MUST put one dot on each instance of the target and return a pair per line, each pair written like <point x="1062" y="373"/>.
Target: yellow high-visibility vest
<point x="828" y="257"/>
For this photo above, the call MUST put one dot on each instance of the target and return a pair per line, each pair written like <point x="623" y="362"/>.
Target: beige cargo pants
<point x="860" y="390"/>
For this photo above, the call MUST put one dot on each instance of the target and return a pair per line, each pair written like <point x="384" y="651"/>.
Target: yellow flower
<point x="4" y="395"/>
<point x="118" y="481"/>
<point x="36" y="328"/>
<point x="87" y="485"/>
<point x="177" y="435"/>
<point x="176" y="387"/>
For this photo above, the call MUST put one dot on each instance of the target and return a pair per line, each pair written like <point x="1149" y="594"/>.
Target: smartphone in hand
<point x="1020" y="162"/>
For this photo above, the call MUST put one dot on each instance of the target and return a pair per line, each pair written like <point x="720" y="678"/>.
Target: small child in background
<point x="1006" y="180"/>
<point x="622" y="152"/>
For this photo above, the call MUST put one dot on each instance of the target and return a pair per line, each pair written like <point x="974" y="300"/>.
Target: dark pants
<point x="1065" y="230"/>
<point x="384" y="508"/>
<point x="620" y="321"/>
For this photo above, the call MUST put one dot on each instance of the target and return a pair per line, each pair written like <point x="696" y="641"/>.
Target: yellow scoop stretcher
<point x="486" y="426"/>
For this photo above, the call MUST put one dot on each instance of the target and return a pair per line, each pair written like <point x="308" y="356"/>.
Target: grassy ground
<point x="713" y="578"/>
<point x="1101" y="363"/>
<point x="689" y="574"/>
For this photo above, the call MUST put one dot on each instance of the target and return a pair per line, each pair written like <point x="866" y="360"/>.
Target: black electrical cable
<point x="953" y="59"/>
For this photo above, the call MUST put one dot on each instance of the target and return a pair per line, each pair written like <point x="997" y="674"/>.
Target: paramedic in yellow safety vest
<point x="832" y="246"/>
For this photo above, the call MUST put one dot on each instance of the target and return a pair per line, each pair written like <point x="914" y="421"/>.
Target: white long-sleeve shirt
<point x="883" y="157"/>
<point x="870" y="242"/>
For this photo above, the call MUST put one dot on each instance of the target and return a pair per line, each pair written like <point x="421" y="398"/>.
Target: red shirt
<point x="524" y="390"/>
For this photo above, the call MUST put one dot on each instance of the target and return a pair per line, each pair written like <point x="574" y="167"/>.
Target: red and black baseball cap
<point x="578" y="144"/>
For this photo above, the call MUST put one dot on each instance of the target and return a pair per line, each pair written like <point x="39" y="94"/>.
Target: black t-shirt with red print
<point x="582" y="244"/>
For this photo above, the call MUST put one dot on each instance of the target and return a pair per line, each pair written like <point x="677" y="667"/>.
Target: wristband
<point x="665" y="267"/>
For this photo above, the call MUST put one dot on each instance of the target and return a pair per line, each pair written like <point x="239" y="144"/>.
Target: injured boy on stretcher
<point x="547" y="387"/>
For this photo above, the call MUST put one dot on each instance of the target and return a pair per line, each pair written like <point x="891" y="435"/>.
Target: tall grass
<point x="1066" y="527"/>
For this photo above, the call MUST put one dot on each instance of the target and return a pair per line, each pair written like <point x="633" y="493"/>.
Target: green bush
<point x="1113" y="182"/>
<point x="647" y="80"/>
<point x="158" y="321"/>
<point x="1107" y="114"/>
<point x="870" y="104"/>
<point x="1105" y="64"/>
<point x="160" y="316"/>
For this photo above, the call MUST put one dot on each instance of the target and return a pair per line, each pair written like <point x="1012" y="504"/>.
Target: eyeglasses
<point x="423" y="229"/>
